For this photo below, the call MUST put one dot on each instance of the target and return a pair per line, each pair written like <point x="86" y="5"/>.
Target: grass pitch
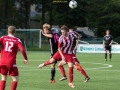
<point x="104" y="75"/>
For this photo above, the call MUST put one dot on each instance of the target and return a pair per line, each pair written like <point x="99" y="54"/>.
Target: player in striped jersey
<point x="75" y="60"/>
<point x="64" y="53"/>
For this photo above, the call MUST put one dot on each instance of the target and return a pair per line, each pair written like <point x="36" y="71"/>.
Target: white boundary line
<point x="46" y="68"/>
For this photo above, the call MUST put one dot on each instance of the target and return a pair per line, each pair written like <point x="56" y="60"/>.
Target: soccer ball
<point x="72" y="4"/>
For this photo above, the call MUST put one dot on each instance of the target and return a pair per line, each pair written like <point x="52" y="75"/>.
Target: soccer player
<point x="76" y="38"/>
<point x="9" y="48"/>
<point x="64" y="53"/>
<point x="107" y="43"/>
<point x="75" y="62"/>
<point x="53" y="41"/>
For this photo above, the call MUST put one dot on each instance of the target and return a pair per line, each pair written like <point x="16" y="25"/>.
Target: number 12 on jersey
<point x="8" y="46"/>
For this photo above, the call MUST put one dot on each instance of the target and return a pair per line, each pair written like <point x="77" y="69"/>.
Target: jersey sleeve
<point x="1" y="39"/>
<point x="60" y="43"/>
<point x="20" y="46"/>
<point x="111" y="37"/>
<point x="104" y="38"/>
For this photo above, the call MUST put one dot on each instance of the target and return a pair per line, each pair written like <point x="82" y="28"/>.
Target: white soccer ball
<point x="72" y="4"/>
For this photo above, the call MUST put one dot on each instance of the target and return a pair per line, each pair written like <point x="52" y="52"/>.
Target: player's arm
<point x="103" y="41"/>
<point x="46" y="35"/>
<point x="23" y="52"/>
<point x="75" y="48"/>
<point x="111" y="43"/>
<point x="78" y="35"/>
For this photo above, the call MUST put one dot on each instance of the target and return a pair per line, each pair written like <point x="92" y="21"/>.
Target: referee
<point x="107" y="43"/>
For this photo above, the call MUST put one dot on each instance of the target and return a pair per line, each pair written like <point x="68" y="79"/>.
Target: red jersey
<point x="9" y="49"/>
<point x="66" y="43"/>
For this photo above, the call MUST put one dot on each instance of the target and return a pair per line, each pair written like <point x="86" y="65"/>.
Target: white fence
<point x="95" y="48"/>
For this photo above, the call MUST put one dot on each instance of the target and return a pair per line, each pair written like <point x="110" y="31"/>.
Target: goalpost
<point x="30" y="37"/>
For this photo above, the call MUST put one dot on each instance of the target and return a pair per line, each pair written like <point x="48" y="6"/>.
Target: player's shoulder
<point x="15" y="38"/>
<point x="110" y="35"/>
<point x="61" y="38"/>
<point x="18" y="39"/>
<point x="105" y="36"/>
<point x="3" y="36"/>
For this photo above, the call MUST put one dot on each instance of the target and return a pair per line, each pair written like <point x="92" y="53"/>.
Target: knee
<point x="4" y="77"/>
<point x="59" y="64"/>
<point x="52" y="65"/>
<point x="15" y="78"/>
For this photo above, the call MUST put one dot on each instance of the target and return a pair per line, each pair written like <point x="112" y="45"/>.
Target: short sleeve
<point x="1" y="39"/>
<point x="111" y="37"/>
<point x="104" y="38"/>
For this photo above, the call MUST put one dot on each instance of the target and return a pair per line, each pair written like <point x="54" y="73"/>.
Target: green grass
<point x="102" y="78"/>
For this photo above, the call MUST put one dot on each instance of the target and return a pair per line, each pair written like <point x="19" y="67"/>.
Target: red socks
<point x="80" y="69"/>
<point x="62" y="71"/>
<point x="13" y="85"/>
<point x="70" y="74"/>
<point x="82" y="72"/>
<point x="47" y="63"/>
<point x="2" y="85"/>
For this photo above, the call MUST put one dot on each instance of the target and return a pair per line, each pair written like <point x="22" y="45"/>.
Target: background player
<point x="53" y="41"/>
<point x="10" y="45"/>
<point x="76" y="38"/>
<point x="107" y="43"/>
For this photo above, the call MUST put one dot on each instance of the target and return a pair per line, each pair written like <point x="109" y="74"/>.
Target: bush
<point x="117" y="39"/>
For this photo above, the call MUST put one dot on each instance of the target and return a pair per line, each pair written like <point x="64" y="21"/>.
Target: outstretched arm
<point x="46" y="35"/>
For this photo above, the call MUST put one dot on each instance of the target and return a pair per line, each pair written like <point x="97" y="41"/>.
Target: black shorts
<point x="108" y="48"/>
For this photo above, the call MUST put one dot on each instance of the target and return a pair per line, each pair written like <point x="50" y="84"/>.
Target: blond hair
<point x="11" y="29"/>
<point x="46" y="26"/>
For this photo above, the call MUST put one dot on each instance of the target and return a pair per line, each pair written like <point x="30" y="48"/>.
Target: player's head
<point x="11" y="30"/>
<point x="64" y="30"/>
<point x="46" y="28"/>
<point x="107" y="32"/>
<point x="71" y="30"/>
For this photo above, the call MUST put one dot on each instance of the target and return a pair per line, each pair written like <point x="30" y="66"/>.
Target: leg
<point x="46" y="63"/>
<point x="53" y="71"/>
<point x="105" y="55"/>
<point x="70" y="65"/>
<point x="60" y="65"/>
<point x="110" y="55"/>
<point x="14" y="83"/>
<point x="55" y="57"/>
<point x="3" y="82"/>
<point x="82" y="71"/>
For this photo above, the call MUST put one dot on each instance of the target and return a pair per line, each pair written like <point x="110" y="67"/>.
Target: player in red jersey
<point x="9" y="49"/>
<point x="75" y="60"/>
<point x="64" y="53"/>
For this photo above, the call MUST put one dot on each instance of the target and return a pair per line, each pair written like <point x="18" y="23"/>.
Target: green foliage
<point x="117" y="39"/>
<point x="98" y="15"/>
<point x="104" y="15"/>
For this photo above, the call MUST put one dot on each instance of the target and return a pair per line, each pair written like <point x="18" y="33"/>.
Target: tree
<point x="63" y="14"/>
<point x="104" y="14"/>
